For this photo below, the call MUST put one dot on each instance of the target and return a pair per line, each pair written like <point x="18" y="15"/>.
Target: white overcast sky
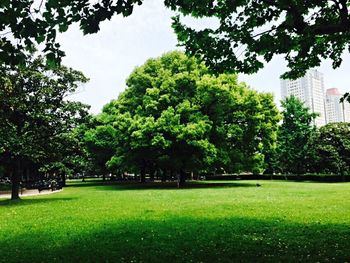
<point x="109" y="56"/>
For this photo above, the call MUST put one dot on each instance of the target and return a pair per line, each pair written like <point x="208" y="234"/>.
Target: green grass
<point x="206" y="222"/>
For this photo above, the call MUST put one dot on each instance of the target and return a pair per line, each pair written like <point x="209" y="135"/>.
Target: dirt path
<point x="32" y="192"/>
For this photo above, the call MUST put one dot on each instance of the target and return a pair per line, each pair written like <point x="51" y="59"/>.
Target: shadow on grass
<point x="132" y="185"/>
<point x="181" y="239"/>
<point x="89" y="183"/>
<point x="31" y="201"/>
<point x="173" y="185"/>
<point x="312" y="182"/>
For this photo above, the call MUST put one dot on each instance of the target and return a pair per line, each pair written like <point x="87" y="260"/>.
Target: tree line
<point x="210" y="123"/>
<point x="174" y="118"/>
<point x="303" y="148"/>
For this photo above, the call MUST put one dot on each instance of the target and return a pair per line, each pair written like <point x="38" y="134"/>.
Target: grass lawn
<point x="206" y="222"/>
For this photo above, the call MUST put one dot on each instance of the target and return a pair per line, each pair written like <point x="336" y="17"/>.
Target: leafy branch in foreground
<point x="253" y="32"/>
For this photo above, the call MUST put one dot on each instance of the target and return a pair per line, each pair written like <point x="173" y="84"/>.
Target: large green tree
<point x="35" y="115"/>
<point x="176" y="116"/>
<point x="294" y="136"/>
<point x="156" y="120"/>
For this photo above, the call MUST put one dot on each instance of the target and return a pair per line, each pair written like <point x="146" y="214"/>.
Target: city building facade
<point x="335" y="110"/>
<point x="310" y="90"/>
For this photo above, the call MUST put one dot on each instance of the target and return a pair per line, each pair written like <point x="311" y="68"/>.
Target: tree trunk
<point x="63" y="178"/>
<point x="16" y="176"/>
<point x="27" y="175"/>
<point x="143" y="175"/>
<point x="104" y="177"/>
<point x="342" y="174"/>
<point x="164" y="175"/>
<point x="151" y="173"/>
<point x="181" y="179"/>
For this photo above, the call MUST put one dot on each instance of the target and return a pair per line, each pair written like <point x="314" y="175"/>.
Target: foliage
<point x="294" y="136"/>
<point x="346" y="97"/>
<point x="100" y="144"/>
<point x="252" y="32"/>
<point x="332" y="148"/>
<point x="72" y="156"/>
<point x="248" y="32"/>
<point x="34" y="22"/>
<point x="205" y="222"/>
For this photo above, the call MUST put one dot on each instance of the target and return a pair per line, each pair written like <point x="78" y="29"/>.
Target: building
<point x="310" y="90"/>
<point x="335" y="110"/>
<point x="346" y="112"/>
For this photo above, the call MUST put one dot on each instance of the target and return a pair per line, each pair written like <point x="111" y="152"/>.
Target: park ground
<point x="205" y="222"/>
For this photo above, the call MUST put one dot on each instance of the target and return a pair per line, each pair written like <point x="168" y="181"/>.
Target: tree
<point x="332" y="148"/>
<point x="156" y="122"/>
<point x="268" y="132"/>
<point x="294" y="136"/>
<point x="176" y="116"/>
<point x="35" y="114"/>
<point x="71" y="155"/>
<point x="100" y="143"/>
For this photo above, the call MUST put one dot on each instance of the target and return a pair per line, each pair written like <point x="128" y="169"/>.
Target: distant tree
<point x="268" y="132"/>
<point x="332" y="148"/>
<point x="34" y="114"/>
<point x="71" y="155"/>
<point x="100" y="143"/>
<point x="294" y="135"/>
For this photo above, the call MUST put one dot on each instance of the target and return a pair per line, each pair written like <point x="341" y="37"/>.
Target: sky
<point x="108" y="57"/>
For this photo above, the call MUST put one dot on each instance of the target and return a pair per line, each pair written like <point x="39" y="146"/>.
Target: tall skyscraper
<point x="335" y="110"/>
<point x="310" y="90"/>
